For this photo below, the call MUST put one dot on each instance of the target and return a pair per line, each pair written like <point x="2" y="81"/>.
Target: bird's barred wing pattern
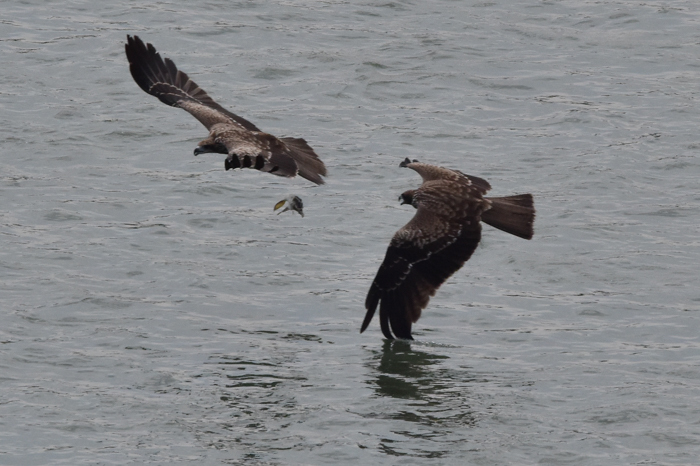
<point x="162" y="79"/>
<point x="246" y="145"/>
<point x="283" y="157"/>
<point x="261" y="151"/>
<point x="308" y="163"/>
<point x="417" y="262"/>
<point x="479" y="183"/>
<point x="432" y="173"/>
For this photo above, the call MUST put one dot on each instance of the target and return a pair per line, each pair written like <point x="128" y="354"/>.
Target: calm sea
<point x="154" y="309"/>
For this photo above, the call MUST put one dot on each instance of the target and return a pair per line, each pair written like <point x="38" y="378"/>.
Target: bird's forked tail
<point x="512" y="214"/>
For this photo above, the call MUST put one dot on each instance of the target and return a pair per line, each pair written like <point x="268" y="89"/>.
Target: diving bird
<point x="292" y="203"/>
<point x="245" y="145"/>
<point x="437" y="241"/>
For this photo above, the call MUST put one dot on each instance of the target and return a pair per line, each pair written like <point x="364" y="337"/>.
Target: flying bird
<point x="292" y="203"/>
<point x="245" y="145"/>
<point x="437" y="241"/>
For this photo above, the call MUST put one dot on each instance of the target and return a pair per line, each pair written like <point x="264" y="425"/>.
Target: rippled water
<point x="155" y="310"/>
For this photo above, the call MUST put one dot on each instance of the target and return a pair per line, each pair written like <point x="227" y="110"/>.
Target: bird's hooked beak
<point x="205" y="147"/>
<point x="201" y="150"/>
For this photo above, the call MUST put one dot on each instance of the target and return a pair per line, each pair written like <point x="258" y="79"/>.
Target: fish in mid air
<point x="292" y="203"/>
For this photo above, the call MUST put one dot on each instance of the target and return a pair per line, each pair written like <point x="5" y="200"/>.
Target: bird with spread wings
<point x="245" y="145"/>
<point x="440" y="238"/>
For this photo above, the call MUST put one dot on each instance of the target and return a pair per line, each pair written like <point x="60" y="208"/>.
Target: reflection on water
<point x="404" y="372"/>
<point x="438" y="396"/>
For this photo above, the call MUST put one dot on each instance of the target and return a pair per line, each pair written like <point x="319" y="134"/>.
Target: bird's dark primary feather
<point x="409" y="276"/>
<point x="162" y="79"/>
<point x="310" y="166"/>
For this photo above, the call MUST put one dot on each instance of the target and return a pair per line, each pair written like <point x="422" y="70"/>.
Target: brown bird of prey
<point x="437" y="242"/>
<point x="245" y="145"/>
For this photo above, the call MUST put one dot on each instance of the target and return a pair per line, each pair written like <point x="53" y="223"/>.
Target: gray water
<point x="156" y="311"/>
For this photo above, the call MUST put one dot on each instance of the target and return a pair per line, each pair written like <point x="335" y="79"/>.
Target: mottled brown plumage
<point x="440" y="238"/>
<point x="245" y="145"/>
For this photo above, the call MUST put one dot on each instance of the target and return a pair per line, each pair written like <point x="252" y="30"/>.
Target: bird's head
<point x="210" y="145"/>
<point x="407" y="197"/>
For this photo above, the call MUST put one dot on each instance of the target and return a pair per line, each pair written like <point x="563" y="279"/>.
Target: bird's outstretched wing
<point x="261" y="151"/>
<point x="432" y="173"/>
<point x="421" y="256"/>
<point x="440" y="238"/>
<point x="161" y="78"/>
<point x="280" y="156"/>
<point x="308" y="163"/>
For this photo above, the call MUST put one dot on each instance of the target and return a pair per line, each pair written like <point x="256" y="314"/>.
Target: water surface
<point x="155" y="310"/>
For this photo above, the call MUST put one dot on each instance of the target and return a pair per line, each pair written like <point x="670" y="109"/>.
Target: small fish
<point x="292" y="203"/>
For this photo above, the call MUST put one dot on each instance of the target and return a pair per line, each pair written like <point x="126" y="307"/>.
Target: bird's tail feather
<point x="310" y="166"/>
<point x="512" y="214"/>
